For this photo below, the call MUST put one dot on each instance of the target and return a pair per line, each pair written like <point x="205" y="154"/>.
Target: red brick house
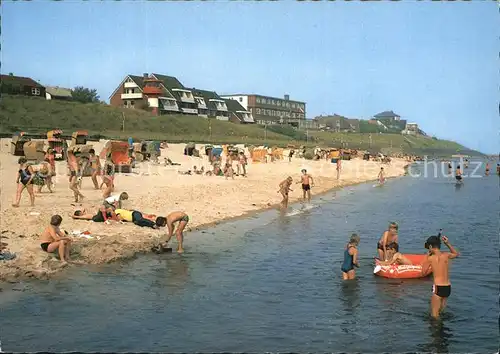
<point x="18" y="85"/>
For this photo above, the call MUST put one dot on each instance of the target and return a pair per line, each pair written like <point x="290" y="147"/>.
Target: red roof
<point x="20" y="80"/>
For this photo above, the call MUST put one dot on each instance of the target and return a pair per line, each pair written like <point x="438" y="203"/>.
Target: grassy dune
<point x="36" y="115"/>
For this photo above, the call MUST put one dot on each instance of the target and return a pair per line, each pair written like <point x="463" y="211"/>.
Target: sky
<point x="434" y="63"/>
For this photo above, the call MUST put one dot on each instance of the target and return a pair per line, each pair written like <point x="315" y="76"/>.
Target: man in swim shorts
<point x="437" y="262"/>
<point x="53" y="238"/>
<point x="172" y="218"/>
<point x="307" y="181"/>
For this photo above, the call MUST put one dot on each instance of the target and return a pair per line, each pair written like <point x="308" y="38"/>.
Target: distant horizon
<point x="432" y="65"/>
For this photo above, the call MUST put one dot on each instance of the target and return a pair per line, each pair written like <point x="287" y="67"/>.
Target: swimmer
<point x="437" y="262"/>
<point x="172" y="218"/>
<point x="53" y="238"/>
<point x="350" y="258"/>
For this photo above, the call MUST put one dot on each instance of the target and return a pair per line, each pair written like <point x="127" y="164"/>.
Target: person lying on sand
<point x="284" y="189"/>
<point x="168" y="162"/>
<point x="200" y="171"/>
<point x="187" y="173"/>
<point x="136" y="217"/>
<point x="175" y="217"/>
<point x="82" y="214"/>
<point x="53" y="238"/>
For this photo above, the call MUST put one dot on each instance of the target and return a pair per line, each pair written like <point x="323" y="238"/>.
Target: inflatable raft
<point x="401" y="271"/>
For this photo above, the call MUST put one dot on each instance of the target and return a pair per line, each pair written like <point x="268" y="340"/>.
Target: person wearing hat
<point x="437" y="262"/>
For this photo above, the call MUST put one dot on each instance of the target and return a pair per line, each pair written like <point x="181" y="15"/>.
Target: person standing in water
<point x="25" y="175"/>
<point x="350" y="258"/>
<point x="487" y="169"/>
<point x="307" y="182"/>
<point x="458" y="174"/>
<point x="437" y="262"/>
<point x="284" y="190"/>
<point x="339" y="167"/>
<point x="381" y="178"/>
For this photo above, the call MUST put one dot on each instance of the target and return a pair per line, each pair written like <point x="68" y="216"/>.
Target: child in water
<point x="350" y="258"/>
<point x="438" y="263"/>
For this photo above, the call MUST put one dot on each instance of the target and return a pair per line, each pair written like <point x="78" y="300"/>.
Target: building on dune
<point x="19" y="85"/>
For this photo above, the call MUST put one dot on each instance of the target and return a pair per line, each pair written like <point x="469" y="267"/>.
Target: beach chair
<point x="17" y="143"/>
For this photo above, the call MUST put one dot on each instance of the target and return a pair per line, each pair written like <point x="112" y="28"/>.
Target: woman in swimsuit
<point x="108" y="177"/>
<point x="53" y="239"/>
<point x="388" y="240"/>
<point x="73" y="177"/>
<point x="350" y="258"/>
<point x="95" y="165"/>
<point x="25" y="176"/>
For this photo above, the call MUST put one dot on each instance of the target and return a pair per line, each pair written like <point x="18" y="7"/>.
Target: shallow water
<point x="271" y="283"/>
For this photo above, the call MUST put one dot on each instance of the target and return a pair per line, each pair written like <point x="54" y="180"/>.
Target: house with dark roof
<point x="58" y="93"/>
<point x="338" y="123"/>
<point x="237" y="113"/>
<point x="184" y="96"/>
<point x="129" y="93"/>
<point x="387" y="115"/>
<point x="19" y="85"/>
<point x="216" y="106"/>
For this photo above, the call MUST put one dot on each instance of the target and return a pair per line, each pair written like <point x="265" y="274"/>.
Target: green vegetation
<point x="36" y="115"/>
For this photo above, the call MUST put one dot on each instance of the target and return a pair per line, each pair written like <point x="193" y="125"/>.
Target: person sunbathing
<point x="136" y="217"/>
<point x="82" y="214"/>
<point x="200" y="171"/>
<point x="188" y="172"/>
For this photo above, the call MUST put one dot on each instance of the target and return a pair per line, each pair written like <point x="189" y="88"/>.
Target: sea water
<point x="272" y="282"/>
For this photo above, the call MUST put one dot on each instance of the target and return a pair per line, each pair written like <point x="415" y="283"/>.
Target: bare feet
<point x="180" y="250"/>
<point x="15" y="205"/>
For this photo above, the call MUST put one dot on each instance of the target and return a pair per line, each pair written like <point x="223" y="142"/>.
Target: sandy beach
<point x="153" y="189"/>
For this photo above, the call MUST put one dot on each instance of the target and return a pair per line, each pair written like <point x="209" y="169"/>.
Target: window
<point x="257" y="100"/>
<point x="132" y="103"/>
<point x="279" y="103"/>
<point x="268" y="112"/>
<point x="241" y="99"/>
<point x="293" y="105"/>
<point x="35" y="91"/>
<point x="288" y="105"/>
<point x="258" y="110"/>
<point x="274" y="102"/>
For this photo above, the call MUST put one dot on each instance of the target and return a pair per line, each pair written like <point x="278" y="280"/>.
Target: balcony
<point x="221" y="105"/>
<point x="201" y="103"/>
<point x="247" y="116"/>
<point x="185" y="95"/>
<point x="130" y="85"/>
<point x="189" y="110"/>
<point x="131" y="96"/>
<point x="223" y="118"/>
<point x="203" y="115"/>
<point x="168" y="104"/>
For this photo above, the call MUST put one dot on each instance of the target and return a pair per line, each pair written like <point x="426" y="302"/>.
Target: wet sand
<point x="153" y="189"/>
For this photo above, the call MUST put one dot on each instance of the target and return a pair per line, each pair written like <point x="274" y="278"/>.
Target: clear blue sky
<point x="433" y="63"/>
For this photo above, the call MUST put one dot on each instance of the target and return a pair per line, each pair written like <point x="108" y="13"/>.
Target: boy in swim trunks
<point x="307" y="181"/>
<point x="438" y="263"/>
<point x="182" y="219"/>
<point x="284" y="190"/>
<point x="53" y="238"/>
<point x="458" y="174"/>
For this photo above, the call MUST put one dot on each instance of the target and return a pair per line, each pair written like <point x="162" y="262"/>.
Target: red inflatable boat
<point x="401" y="271"/>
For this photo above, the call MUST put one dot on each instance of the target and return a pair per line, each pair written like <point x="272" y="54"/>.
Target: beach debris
<point x="84" y="234"/>
<point x="34" y="213"/>
<point x="7" y="256"/>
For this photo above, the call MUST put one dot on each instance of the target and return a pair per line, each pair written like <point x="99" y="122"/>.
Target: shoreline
<point x="209" y="201"/>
